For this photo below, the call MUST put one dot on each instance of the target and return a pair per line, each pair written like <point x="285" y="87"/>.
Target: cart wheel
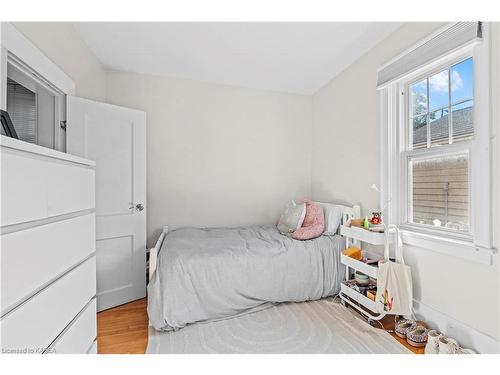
<point x="371" y="321"/>
<point x="343" y="303"/>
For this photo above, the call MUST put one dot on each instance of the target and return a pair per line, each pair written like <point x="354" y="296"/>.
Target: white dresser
<point x="47" y="254"/>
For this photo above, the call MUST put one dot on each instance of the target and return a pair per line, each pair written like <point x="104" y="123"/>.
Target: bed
<point x="209" y="274"/>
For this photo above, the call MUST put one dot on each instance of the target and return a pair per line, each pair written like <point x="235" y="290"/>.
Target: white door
<point x="115" y="138"/>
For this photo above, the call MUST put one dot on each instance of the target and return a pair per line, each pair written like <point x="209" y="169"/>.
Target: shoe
<point x="417" y="337"/>
<point x="466" y="351"/>
<point x="448" y="345"/>
<point x="432" y="346"/>
<point x="403" y="326"/>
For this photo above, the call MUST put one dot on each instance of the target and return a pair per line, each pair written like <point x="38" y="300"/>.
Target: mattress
<point x="204" y="275"/>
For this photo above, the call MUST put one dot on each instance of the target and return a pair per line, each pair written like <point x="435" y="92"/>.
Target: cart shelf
<point x="358" y="297"/>
<point x="368" y="269"/>
<point x="364" y="235"/>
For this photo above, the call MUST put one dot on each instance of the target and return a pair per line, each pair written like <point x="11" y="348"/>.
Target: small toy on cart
<point x="376" y="218"/>
<point x="376" y="224"/>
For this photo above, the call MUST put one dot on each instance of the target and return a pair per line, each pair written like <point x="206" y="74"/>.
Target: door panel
<point x="114" y="253"/>
<point x="115" y="138"/>
<point x="116" y="165"/>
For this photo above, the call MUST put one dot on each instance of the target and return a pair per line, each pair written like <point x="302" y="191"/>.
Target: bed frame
<point x="348" y="212"/>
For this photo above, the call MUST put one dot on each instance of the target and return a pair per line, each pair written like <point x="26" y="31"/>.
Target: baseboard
<point x="467" y="337"/>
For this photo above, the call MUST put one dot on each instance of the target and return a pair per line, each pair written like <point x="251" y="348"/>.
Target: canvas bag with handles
<point x="394" y="284"/>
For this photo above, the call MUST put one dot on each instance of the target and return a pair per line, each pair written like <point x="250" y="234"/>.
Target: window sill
<point x="452" y="247"/>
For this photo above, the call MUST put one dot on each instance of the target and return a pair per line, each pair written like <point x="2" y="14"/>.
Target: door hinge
<point x="63" y="125"/>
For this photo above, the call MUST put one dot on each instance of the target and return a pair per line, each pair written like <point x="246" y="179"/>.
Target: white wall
<point x="222" y="155"/>
<point x="345" y="162"/>
<point x="60" y="42"/>
<point x="218" y="155"/>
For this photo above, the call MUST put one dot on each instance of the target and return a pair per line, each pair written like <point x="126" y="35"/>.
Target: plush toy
<point x="376" y="218"/>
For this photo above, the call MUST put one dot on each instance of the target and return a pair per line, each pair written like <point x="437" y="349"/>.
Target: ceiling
<point x="286" y="57"/>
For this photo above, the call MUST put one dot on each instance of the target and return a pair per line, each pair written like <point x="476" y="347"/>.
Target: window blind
<point x="456" y="36"/>
<point x="21" y="105"/>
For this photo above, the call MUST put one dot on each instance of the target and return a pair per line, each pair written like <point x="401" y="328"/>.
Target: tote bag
<point x="394" y="285"/>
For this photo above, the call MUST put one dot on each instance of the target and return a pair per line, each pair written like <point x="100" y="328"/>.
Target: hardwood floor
<point x="405" y="343"/>
<point x="388" y="323"/>
<point x="124" y="330"/>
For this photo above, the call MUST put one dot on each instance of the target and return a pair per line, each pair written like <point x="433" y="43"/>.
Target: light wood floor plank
<point x="123" y="329"/>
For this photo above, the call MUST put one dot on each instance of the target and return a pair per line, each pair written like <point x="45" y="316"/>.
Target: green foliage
<point x="419" y="106"/>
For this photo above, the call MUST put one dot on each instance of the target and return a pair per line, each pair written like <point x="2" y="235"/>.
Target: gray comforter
<point x="211" y="274"/>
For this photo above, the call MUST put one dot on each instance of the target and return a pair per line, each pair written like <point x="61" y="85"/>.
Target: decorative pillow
<point x="292" y="218"/>
<point x="333" y="217"/>
<point x="314" y="222"/>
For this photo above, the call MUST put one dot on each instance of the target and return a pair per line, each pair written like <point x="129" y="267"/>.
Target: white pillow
<point x="292" y="218"/>
<point x="333" y="217"/>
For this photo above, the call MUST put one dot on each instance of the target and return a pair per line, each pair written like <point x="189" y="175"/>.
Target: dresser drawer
<point x="36" y="256"/>
<point x="71" y="188"/>
<point x="93" y="348"/>
<point x="80" y="334"/>
<point x="37" y="187"/>
<point x="35" y="324"/>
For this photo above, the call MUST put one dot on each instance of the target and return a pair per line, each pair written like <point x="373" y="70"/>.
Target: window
<point x="436" y="157"/>
<point x="34" y="106"/>
<point x="33" y="90"/>
<point x="439" y="194"/>
<point x="434" y="98"/>
<point x="438" y="178"/>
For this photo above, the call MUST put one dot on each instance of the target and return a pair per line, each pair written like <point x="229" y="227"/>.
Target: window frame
<point x="19" y="51"/>
<point x="26" y="76"/>
<point x="395" y="133"/>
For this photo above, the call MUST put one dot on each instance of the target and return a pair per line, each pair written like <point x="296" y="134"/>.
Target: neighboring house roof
<point x="462" y="126"/>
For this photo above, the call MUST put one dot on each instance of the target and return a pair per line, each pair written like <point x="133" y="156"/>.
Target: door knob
<point x="138" y="207"/>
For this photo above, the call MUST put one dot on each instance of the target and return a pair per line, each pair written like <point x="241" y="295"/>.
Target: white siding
<point x="430" y="179"/>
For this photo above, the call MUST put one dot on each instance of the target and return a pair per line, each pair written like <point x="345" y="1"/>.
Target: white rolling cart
<point x="349" y="296"/>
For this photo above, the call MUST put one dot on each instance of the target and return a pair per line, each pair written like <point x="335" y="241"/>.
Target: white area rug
<point x="309" y="327"/>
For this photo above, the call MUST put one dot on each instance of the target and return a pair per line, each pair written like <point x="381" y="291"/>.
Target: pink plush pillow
<point x="314" y="222"/>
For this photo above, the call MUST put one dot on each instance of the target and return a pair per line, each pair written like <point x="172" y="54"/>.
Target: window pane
<point x="420" y="131"/>
<point x="440" y="192"/>
<point x="439" y="90"/>
<point x="46" y="103"/>
<point x="21" y="105"/>
<point x="419" y="98"/>
<point x="462" y="120"/>
<point x="462" y="81"/>
<point x="440" y="127"/>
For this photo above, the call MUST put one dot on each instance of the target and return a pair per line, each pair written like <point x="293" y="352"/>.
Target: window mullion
<point x="428" y="116"/>
<point x="450" y="122"/>
<point x="444" y="150"/>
